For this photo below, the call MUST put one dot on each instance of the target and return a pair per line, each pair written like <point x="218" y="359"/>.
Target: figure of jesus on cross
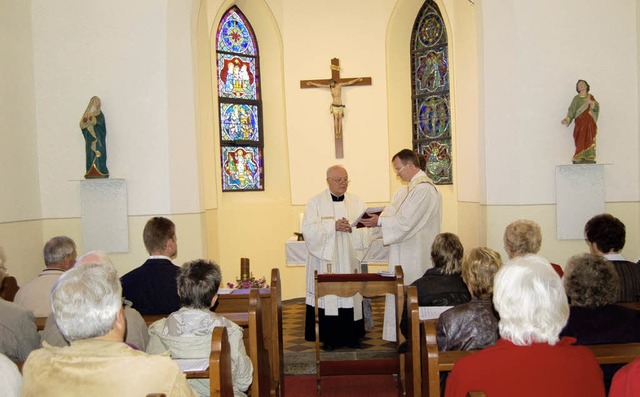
<point x="336" y="108"/>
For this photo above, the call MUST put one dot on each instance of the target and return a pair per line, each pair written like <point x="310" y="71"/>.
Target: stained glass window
<point x="430" y="93"/>
<point x="239" y="104"/>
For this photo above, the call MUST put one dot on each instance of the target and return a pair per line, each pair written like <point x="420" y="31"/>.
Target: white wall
<point x="120" y="51"/>
<point x="20" y="232"/>
<point x="534" y="52"/>
<point x="20" y="198"/>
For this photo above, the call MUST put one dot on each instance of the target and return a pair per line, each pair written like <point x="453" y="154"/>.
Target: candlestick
<point x="245" y="271"/>
<point x="300" y="220"/>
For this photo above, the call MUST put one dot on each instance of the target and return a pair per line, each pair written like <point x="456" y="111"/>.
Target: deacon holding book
<point x="409" y="224"/>
<point x="334" y="247"/>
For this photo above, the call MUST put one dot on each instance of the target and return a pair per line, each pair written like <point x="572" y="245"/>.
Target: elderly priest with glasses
<point x="334" y="247"/>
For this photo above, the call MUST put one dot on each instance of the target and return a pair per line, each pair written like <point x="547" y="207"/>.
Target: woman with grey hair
<point x="187" y="332"/>
<point x="593" y="287"/>
<point x="530" y="359"/>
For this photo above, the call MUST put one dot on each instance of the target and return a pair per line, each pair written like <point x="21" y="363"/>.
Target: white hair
<point x="531" y="301"/>
<point x="99" y="257"/>
<point x="86" y="299"/>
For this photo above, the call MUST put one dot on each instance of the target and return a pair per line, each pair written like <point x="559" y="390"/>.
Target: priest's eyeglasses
<point x="340" y="180"/>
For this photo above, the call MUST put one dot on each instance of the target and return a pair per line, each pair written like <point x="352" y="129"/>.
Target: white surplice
<point x="409" y="225"/>
<point x="342" y="250"/>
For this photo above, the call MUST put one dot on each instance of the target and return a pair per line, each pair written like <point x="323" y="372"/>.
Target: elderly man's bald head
<point x="338" y="180"/>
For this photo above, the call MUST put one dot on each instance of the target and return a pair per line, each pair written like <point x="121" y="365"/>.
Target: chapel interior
<point x="513" y="65"/>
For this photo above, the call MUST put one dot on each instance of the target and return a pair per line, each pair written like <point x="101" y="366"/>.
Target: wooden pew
<point x="257" y="350"/>
<point x="630" y="305"/>
<point x="412" y="367"/>
<point x="434" y="362"/>
<point x="368" y="285"/>
<point x="271" y="300"/>
<point x="221" y="383"/>
<point x="8" y="288"/>
<point x="41" y="321"/>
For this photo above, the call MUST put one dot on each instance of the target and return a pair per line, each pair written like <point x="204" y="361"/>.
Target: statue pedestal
<point x="105" y="223"/>
<point x="580" y="194"/>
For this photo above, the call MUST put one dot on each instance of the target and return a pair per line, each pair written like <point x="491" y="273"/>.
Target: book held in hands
<point x="367" y="214"/>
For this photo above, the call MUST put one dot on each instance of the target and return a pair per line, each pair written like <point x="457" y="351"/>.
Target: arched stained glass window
<point x="239" y="104"/>
<point x="430" y="93"/>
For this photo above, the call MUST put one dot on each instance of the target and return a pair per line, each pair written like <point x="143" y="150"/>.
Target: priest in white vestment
<point x="409" y="225"/>
<point x="334" y="247"/>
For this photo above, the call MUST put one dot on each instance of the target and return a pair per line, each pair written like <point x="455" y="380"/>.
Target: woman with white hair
<point x="530" y="359"/>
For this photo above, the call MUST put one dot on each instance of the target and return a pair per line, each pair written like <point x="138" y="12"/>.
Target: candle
<point x="300" y="220"/>
<point x="245" y="272"/>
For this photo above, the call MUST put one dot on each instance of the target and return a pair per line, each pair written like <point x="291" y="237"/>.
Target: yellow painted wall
<point x="256" y="224"/>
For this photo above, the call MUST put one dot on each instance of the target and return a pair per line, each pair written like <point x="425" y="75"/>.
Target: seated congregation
<point x="520" y="328"/>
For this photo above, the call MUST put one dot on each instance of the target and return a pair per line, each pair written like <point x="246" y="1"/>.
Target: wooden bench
<point x="434" y="361"/>
<point x="220" y="380"/>
<point x="368" y="285"/>
<point x="258" y="353"/>
<point x="412" y="367"/>
<point x="271" y="300"/>
<point x="40" y="323"/>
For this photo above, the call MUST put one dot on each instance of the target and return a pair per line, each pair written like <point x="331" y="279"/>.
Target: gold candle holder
<point x="245" y="271"/>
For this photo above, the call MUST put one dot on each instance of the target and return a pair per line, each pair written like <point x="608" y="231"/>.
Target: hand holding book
<point x="368" y="218"/>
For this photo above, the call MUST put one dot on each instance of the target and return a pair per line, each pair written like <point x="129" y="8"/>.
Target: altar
<point x="296" y="253"/>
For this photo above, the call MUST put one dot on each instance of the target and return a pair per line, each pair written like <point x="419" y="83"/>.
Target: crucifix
<point x="335" y="84"/>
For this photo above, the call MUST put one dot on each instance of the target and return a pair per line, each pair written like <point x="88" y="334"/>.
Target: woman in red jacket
<point x="530" y="359"/>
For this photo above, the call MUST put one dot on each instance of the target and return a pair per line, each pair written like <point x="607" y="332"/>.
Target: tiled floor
<point x="299" y="355"/>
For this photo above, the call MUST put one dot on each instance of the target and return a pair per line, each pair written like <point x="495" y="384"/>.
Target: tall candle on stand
<point x="245" y="272"/>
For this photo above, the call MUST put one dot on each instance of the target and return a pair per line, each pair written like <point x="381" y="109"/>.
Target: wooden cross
<point x="335" y="84"/>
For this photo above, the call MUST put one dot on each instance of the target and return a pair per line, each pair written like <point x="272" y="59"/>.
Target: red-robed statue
<point x="584" y="110"/>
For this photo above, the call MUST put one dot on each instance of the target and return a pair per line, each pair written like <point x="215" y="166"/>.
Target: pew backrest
<point x="276" y="346"/>
<point x="412" y="356"/>
<point x="434" y="361"/>
<point x="367" y="285"/>
<point x="257" y="351"/>
<point x="220" y="380"/>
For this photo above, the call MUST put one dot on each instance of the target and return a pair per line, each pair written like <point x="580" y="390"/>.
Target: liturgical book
<point x="367" y="214"/>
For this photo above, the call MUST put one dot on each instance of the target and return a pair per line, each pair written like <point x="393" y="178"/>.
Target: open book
<point x="366" y="214"/>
